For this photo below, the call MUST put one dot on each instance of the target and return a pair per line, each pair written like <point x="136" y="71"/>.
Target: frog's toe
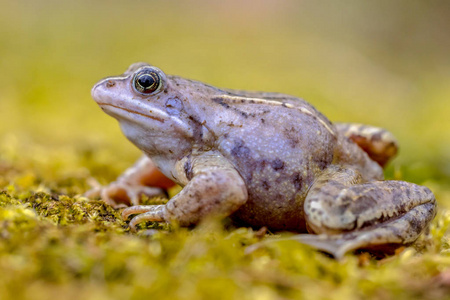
<point x="94" y="192"/>
<point x="340" y="244"/>
<point x="111" y="195"/>
<point x="122" y="194"/>
<point x="135" y="192"/>
<point x="116" y="195"/>
<point x="154" y="213"/>
<point x="334" y="245"/>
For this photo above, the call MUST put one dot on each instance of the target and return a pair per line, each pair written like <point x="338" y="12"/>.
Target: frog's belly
<point x="276" y="195"/>
<point x="274" y="210"/>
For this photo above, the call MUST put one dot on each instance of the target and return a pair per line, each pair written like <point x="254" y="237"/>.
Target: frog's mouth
<point x="136" y="116"/>
<point x="102" y="105"/>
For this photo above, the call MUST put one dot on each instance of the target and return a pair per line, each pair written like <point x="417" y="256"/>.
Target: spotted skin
<point x="262" y="159"/>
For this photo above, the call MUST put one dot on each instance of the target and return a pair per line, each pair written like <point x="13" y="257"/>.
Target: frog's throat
<point x="240" y="100"/>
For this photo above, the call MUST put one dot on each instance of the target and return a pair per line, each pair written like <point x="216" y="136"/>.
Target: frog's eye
<point x="147" y="81"/>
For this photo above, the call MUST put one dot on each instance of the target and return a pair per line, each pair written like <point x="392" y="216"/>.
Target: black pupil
<point x="146" y="81"/>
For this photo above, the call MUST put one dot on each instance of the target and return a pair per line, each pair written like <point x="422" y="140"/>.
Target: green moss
<point x="52" y="244"/>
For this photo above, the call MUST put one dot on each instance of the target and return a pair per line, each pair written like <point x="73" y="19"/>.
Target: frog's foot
<point x="143" y="178"/>
<point x="377" y="142"/>
<point x="145" y="213"/>
<point x="123" y="194"/>
<point x="369" y="215"/>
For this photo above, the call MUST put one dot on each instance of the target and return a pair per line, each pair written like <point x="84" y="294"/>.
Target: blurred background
<point x="384" y="63"/>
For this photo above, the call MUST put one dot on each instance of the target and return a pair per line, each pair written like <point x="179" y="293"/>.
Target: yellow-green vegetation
<point x="381" y="63"/>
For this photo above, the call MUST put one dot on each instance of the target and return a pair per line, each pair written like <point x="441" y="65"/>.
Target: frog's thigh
<point x="363" y="215"/>
<point x="377" y="142"/>
<point x="215" y="189"/>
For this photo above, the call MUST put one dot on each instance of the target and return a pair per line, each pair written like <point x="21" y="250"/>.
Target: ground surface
<point x="385" y="64"/>
<point x="53" y="243"/>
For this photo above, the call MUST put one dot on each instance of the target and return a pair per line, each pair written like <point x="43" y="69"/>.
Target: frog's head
<point x="149" y="110"/>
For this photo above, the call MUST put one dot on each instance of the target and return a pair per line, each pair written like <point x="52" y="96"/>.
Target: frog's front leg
<point x="214" y="187"/>
<point x="350" y="215"/>
<point x="143" y="178"/>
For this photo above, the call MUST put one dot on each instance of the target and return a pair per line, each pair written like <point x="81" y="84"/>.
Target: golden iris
<point x="147" y="81"/>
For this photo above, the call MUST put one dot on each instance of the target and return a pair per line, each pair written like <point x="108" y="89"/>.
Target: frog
<point x="261" y="159"/>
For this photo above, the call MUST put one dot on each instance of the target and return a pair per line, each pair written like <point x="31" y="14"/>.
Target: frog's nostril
<point x="110" y="84"/>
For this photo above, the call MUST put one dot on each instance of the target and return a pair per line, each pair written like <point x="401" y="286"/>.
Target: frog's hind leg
<point x="350" y="215"/>
<point x="378" y="143"/>
<point x="387" y="236"/>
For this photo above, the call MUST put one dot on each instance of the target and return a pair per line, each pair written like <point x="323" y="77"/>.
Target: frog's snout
<point x="101" y="88"/>
<point x="95" y="91"/>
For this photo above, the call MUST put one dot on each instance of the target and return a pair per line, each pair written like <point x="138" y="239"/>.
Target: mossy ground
<point x="54" y="243"/>
<point x="383" y="64"/>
